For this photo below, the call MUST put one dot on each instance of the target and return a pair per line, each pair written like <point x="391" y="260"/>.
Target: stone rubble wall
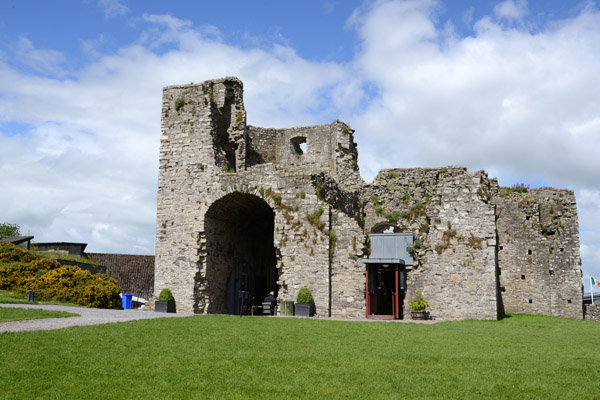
<point x="592" y="312"/>
<point x="348" y="273"/>
<point x="454" y="226"/>
<point x="539" y="266"/>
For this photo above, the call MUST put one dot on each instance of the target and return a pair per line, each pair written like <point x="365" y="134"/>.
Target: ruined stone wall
<point x="326" y="148"/>
<point x="284" y="146"/>
<point x="233" y="196"/>
<point x="348" y="273"/>
<point x="538" y="252"/>
<point x="454" y="229"/>
<point x="592" y="312"/>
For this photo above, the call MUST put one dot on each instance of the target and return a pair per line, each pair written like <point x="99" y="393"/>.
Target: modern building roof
<point x="16" y="240"/>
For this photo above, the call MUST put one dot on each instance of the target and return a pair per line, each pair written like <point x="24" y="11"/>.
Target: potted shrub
<point x="305" y="304"/>
<point x="418" y="305"/>
<point x="165" y="302"/>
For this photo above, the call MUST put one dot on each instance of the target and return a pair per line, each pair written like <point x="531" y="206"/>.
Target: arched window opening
<point x="385" y="227"/>
<point x="298" y="145"/>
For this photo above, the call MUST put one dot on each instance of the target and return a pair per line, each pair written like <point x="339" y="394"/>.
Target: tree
<point x="8" y="230"/>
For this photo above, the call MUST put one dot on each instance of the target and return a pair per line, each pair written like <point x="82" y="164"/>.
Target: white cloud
<point x="503" y="97"/>
<point x="44" y="61"/>
<point x="511" y="10"/>
<point x="113" y="8"/>
<point x="171" y="22"/>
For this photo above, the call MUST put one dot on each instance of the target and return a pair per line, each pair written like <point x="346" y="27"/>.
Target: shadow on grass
<point x="503" y="316"/>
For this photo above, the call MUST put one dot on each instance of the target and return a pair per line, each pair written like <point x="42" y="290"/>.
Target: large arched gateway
<point x="240" y="256"/>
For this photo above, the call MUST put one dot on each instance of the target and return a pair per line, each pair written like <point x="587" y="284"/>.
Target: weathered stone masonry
<point x="256" y="209"/>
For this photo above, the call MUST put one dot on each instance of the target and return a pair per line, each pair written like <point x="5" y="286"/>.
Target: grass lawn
<point x="229" y="357"/>
<point x="11" y="297"/>
<point x="21" y="314"/>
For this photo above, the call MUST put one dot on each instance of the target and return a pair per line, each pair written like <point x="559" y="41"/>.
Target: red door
<point x="383" y="301"/>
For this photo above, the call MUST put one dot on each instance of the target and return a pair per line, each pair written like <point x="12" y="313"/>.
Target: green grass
<point x="12" y="297"/>
<point x="53" y="255"/>
<point x="228" y="357"/>
<point x="22" y="314"/>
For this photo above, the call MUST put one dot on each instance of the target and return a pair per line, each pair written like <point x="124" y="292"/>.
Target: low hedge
<point x="53" y="281"/>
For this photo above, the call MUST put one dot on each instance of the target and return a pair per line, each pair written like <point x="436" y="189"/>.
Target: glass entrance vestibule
<point x="385" y="274"/>
<point x="386" y="286"/>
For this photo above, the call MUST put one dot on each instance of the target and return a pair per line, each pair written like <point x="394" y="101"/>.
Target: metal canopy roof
<point x="390" y="248"/>
<point x="383" y="261"/>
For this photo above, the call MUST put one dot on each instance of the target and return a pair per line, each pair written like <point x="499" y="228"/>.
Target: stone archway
<point x="385" y="227"/>
<point x="240" y="254"/>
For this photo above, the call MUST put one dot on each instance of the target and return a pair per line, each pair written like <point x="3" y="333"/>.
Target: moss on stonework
<point x="475" y="242"/>
<point x="446" y="238"/>
<point x="332" y="243"/>
<point x="179" y="103"/>
<point x="275" y="196"/>
<point x="315" y="219"/>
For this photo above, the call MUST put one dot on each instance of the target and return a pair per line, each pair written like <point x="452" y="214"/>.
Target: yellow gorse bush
<point x="53" y="281"/>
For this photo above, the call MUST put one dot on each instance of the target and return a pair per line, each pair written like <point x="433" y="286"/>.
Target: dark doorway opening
<point x="386" y="287"/>
<point x="241" y="263"/>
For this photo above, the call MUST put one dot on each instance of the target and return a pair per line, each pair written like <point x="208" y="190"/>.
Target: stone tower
<point x="234" y="201"/>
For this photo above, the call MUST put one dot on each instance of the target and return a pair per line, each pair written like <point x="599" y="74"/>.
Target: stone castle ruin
<point x="243" y="208"/>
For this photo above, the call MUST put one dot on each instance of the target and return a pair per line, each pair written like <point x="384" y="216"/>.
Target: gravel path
<point x="88" y="316"/>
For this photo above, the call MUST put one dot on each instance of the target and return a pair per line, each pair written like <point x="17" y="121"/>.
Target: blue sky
<point x="506" y="86"/>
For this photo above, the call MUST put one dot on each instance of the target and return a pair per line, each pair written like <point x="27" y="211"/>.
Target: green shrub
<point x="71" y="284"/>
<point x="165" y="295"/>
<point x="304" y="296"/>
